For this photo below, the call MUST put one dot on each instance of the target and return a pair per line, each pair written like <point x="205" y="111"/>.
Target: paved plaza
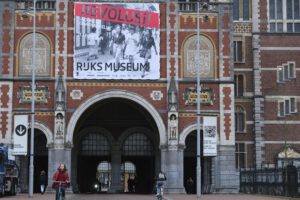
<point x="144" y="197"/>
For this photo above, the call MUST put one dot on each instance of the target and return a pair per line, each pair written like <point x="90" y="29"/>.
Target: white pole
<point x="198" y="106"/>
<point x="31" y="166"/>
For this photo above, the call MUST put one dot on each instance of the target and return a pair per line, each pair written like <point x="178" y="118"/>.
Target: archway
<point x="93" y="148"/>
<point x="109" y="120"/>
<point x="40" y="156"/>
<point x="190" y="165"/>
<point x="138" y="148"/>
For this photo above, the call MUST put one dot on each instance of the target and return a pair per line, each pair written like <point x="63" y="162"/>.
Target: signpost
<point x="20" y="135"/>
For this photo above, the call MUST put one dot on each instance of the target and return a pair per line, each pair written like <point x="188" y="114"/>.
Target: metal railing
<point x="271" y="181"/>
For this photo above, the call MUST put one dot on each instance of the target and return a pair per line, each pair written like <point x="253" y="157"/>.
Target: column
<point x="116" y="185"/>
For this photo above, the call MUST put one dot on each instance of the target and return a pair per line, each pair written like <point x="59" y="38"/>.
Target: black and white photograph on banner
<point x="116" y="41"/>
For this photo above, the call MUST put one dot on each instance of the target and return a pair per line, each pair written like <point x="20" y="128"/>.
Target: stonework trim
<point x="116" y="94"/>
<point x="46" y="131"/>
<point x="185" y="132"/>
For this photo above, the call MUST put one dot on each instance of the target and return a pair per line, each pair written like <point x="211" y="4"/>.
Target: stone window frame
<point x="279" y="20"/>
<point x="240" y="124"/>
<point x="240" y="9"/>
<point x="237" y="92"/>
<point x="286" y="72"/>
<point x="239" y="40"/>
<point x="28" y="38"/>
<point x="213" y="52"/>
<point x="238" y="153"/>
<point x="287" y="106"/>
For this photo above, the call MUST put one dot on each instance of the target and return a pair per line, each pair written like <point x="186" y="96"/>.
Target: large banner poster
<point x="209" y="136"/>
<point x="116" y="41"/>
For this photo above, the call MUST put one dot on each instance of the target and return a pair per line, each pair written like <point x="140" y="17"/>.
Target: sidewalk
<point x="145" y="197"/>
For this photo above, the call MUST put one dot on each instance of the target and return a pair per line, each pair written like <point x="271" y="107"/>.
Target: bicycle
<point x="60" y="194"/>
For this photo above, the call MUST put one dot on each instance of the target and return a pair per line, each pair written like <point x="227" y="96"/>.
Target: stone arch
<point x="185" y="132"/>
<point x="45" y="130"/>
<point x="116" y="94"/>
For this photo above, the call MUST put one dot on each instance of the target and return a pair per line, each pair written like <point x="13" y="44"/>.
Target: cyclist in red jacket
<point x="61" y="175"/>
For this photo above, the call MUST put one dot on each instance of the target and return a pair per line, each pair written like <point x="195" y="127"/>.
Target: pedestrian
<point x="130" y="184"/>
<point x="189" y="185"/>
<point x="61" y="175"/>
<point x="43" y="181"/>
<point x="160" y="182"/>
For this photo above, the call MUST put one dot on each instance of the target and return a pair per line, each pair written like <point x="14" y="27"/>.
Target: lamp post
<point x="205" y="7"/>
<point x="31" y="165"/>
<point x="198" y="105"/>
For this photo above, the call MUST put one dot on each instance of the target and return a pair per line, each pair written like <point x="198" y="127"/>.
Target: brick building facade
<point x="114" y="129"/>
<point x="267" y="87"/>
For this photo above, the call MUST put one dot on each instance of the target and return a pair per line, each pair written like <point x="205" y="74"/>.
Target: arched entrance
<point x="93" y="147"/>
<point x="109" y="120"/>
<point x="40" y="156"/>
<point x="190" y="165"/>
<point x="138" y="149"/>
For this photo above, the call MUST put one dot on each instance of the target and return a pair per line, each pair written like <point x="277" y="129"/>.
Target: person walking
<point x="43" y="181"/>
<point x="160" y="182"/>
<point x="61" y="175"/>
<point x="189" y="185"/>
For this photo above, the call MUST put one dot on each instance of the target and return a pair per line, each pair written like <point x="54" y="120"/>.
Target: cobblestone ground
<point x="142" y="197"/>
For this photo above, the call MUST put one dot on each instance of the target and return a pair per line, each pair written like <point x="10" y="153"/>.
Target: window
<point x="190" y="5"/>
<point x="238" y="85"/>
<point x="40" y="4"/>
<point x="286" y="72"/>
<point x="242" y="10"/>
<point x="287" y="106"/>
<point x="191" y="56"/>
<point x="94" y="144"/>
<point x="138" y="144"/>
<point x="43" y="58"/>
<point x="240" y="155"/>
<point x="238" y="51"/>
<point x="284" y="15"/>
<point x="239" y="119"/>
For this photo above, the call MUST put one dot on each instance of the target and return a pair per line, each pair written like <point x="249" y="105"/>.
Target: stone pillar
<point x="227" y="180"/>
<point x="116" y="185"/>
<point x="174" y="170"/>
<point x="57" y="156"/>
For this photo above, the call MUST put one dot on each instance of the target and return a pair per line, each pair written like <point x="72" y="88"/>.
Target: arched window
<point x="42" y="56"/>
<point x="240" y="119"/>
<point x="94" y="144"/>
<point x="138" y="144"/>
<point x="206" y="58"/>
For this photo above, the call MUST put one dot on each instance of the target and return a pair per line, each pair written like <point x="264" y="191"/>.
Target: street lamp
<point x="31" y="164"/>
<point x="204" y="6"/>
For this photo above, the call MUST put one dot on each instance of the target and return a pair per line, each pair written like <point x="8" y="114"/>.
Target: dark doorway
<point x="94" y="148"/>
<point x="138" y="149"/>
<point x="115" y="116"/>
<point x="40" y="158"/>
<point x="144" y="178"/>
<point x="190" y="165"/>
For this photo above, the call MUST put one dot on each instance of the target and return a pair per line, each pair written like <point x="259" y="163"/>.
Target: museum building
<point x="115" y="91"/>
